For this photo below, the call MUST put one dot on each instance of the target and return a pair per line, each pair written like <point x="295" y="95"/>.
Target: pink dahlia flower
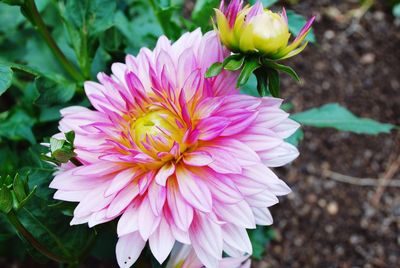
<point x="183" y="256"/>
<point x="176" y="156"/>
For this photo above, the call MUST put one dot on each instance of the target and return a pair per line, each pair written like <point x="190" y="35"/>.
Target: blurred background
<point x="342" y="212"/>
<point x="345" y="207"/>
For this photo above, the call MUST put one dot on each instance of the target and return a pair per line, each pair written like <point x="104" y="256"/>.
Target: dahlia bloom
<point x="183" y="256"/>
<point x="258" y="30"/>
<point x="178" y="157"/>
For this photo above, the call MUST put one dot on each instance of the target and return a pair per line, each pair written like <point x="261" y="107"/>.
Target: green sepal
<point x="234" y="62"/>
<point x="273" y="82"/>
<point x="214" y="70"/>
<point x="27" y="198"/>
<point x="262" y="82"/>
<point x="249" y="67"/>
<point x="6" y="200"/>
<point x="19" y="188"/>
<point x="282" y="68"/>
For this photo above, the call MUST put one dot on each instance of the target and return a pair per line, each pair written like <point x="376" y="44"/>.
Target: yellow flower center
<point x="156" y="131"/>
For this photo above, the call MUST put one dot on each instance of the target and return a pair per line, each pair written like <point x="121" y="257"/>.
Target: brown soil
<point x="326" y="223"/>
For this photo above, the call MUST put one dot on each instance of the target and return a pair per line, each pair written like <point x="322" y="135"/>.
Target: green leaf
<point x="5" y="199"/>
<point x="234" y="62"/>
<point x="335" y="116"/>
<point x="142" y="30"/>
<point x="169" y="23"/>
<point x="63" y="155"/>
<point x="296" y="137"/>
<point x="70" y="137"/>
<point x="91" y="16"/>
<point x="203" y="11"/>
<point x="52" y="229"/>
<point x="250" y="66"/>
<point x="6" y="75"/>
<point x="273" y="82"/>
<point x="396" y="10"/>
<point x="266" y="3"/>
<point x="18" y="126"/>
<point x="214" y="70"/>
<point x="52" y="92"/>
<point x="260" y="238"/>
<point x="296" y="22"/>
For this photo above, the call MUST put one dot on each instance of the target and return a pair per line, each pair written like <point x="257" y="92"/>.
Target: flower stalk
<point x="31" y="12"/>
<point x="13" y="219"/>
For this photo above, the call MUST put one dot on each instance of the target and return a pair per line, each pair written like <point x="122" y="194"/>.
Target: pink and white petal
<point x="157" y="195"/>
<point x="128" y="223"/>
<point x="263" y="216"/>
<point x="93" y="201"/>
<point x="122" y="200"/>
<point x="98" y="169"/>
<point x="194" y="190"/>
<point x="161" y="241"/>
<point x="262" y="200"/>
<point x="237" y="237"/>
<point x="224" y="162"/>
<point x="181" y="211"/>
<point x="239" y="214"/>
<point x="279" y="156"/>
<point x="264" y="175"/>
<point x="212" y="127"/>
<point x="206" y="237"/>
<point x="121" y="180"/>
<point x="128" y="249"/>
<point x="148" y="222"/>
<point x="223" y="188"/>
<point x="244" y="155"/>
<point x="286" y="128"/>
<point x="164" y="173"/>
<point x="70" y="196"/>
<point x="197" y="158"/>
<point x="67" y="181"/>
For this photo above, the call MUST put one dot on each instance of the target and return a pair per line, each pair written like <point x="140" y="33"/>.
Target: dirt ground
<point x="324" y="222"/>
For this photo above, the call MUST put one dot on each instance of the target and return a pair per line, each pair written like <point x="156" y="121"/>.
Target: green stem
<point x="32" y="240"/>
<point x="33" y="13"/>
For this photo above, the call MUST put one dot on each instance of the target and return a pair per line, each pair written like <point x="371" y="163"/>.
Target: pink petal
<point x="128" y="223"/>
<point x="161" y="241"/>
<point x="212" y="127"/>
<point x="237" y="237"/>
<point x="122" y="200"/>
<point x="164" y="173"/>
<point x="263" y="216"/>
<point x="157" y="196"/>
<point x="206" y="238"/>
<point x="197" y="158"/>
<point x="148" y="222"/>
<point x="239" y="214"/>
<point x="181" y="211"/>
<point x="194" y="190"/>
<point x="128" y="249"/>
<point x="279" y="156"/>
<point x="121" y="180"/>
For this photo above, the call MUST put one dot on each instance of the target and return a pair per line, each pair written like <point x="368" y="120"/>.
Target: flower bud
<point x="253" y="29"/>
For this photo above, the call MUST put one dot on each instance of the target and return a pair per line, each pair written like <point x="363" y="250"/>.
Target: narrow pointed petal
<point x="128" y="249"/>
<point x="161" y="242"/>
<point x="194" y="190"/>
<point x="164" y="173"/>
